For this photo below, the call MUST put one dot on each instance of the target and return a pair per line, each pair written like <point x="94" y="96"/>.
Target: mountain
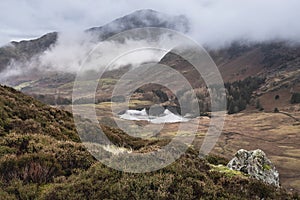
<point x="141" y="19"/>
<point x="41" y="157"/>
<point x="239" y="61"/>
<point x="266" y="59"/>
<point x="24" y="50"/>
<point x="275" y="63"/>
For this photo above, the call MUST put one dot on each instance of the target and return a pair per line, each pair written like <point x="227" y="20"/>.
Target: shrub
<point x="36" y="168"/>
<point x="216" y="160"/>
<point x="18" y="188"/>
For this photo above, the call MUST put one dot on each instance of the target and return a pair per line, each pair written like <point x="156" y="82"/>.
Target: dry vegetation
<point x="42" y="158"/>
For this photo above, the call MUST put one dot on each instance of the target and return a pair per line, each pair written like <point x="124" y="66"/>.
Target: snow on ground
<point x="166" y="117"/>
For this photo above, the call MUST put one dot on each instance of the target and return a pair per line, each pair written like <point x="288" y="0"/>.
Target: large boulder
<point x="256" y="164"/>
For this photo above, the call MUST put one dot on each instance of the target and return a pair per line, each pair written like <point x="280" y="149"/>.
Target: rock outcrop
<point x="256" y="164"/>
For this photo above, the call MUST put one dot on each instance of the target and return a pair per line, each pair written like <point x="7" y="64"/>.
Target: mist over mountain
<point x="66" y="50"/>
<point x="25" y="61"/>
<point x="141" y="19"/>
<point x="257" y="54"/>
<point x="212" y="22"/>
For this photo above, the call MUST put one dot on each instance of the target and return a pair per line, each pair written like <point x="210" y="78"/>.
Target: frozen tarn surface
<point x="167" y="117"/>
<point x="135" y="115"/>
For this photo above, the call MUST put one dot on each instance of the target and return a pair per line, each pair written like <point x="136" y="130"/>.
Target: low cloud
<point x="71" y="50"/>
<point x="213" y="22"/>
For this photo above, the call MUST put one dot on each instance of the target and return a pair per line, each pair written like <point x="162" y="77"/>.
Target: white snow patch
<point x="166" y="117"/>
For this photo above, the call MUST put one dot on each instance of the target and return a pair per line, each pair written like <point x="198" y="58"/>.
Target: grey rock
<point x="256" y="164"/>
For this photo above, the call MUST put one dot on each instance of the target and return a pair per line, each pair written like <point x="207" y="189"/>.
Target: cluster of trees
<point x="239" y="93"/>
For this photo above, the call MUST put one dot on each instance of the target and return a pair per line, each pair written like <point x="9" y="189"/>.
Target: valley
<point x="50" y="140"/>
<point x="277" y="134"/>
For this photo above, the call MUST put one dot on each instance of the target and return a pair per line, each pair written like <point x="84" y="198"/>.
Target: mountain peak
<point x="141" y="19"/>
<point x="146" y="11"/>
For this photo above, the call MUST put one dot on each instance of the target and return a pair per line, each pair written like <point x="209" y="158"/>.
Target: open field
<point x="275" y="133"/>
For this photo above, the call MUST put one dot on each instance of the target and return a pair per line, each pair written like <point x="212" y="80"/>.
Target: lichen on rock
<point x="256" y="164"/>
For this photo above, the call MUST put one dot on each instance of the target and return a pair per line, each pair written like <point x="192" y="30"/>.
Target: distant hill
<point x="239" y="61"/>
<point x="257" y="59"/>
<point x="278" y="63"/>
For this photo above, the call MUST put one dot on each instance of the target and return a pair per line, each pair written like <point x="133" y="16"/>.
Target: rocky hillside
<point x="239" y="61"/>
<point x="242" y="60"/>
<point x="41" y="157"/>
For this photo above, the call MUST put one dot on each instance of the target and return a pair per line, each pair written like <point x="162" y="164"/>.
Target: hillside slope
<point x="41" y="158"/>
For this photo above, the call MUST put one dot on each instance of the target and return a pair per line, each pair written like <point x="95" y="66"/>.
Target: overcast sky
<point x="212" y="20"/>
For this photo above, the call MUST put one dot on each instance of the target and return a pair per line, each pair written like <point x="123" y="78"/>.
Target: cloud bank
<point x="213" y="22"/>
<point x="75" y="51"/>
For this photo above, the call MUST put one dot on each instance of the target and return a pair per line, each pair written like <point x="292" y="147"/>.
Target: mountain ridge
<point x="26" y="49"/>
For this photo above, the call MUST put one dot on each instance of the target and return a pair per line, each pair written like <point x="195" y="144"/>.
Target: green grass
<point x="227" y="172"/>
